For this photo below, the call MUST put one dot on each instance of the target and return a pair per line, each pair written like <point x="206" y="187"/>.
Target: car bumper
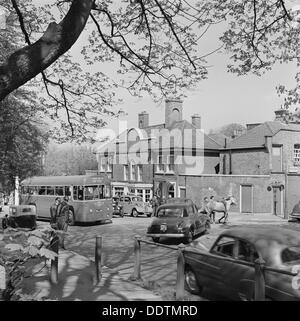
<point x="173" y="235"/>
<point x="295" y="216"/>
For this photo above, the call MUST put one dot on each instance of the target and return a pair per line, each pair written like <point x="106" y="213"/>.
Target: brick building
<point x="151" y="158"/>
<point x="271" y="153"/>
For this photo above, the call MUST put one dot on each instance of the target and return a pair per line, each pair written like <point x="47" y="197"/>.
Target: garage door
<point x="293" y="191"/>
<point x="246" y="199"/>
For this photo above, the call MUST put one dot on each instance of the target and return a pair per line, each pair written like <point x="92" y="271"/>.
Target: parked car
<point x="134" y="205"/>
<point x="23" y="216"/>
<point x="296" y="212"/>
<point x="278" y="247"/>
<point x="117" y="209"/>
<point x="178" y="220"/>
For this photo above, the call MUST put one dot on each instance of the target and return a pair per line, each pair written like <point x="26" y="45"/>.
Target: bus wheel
<point x="135" y="213"/>
<point x="4" y="223"/>
<point x="71" y="218"/>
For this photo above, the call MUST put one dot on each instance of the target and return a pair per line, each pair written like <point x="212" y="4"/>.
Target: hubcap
<point x="191" y="281"/>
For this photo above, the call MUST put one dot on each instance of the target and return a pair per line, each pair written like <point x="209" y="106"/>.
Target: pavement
<point x="76" y="274"/>
<point x="77" y="282"/>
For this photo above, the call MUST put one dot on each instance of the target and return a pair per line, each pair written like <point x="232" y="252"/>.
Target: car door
<point x="199" y="220"/>
<point x="126" y="204"/>
<point x="222" y="271"/>
<point x="244" y="280"/>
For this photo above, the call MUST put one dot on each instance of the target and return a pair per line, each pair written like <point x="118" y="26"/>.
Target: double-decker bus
<point x="89" y="196"/>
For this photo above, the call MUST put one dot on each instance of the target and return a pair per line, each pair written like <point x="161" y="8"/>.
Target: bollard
<point x="137" y="255"/>
<point x="54" y="245"/>
<point x="98" y="254"/>
<point x="180" y="273"/>
<point x="259" y="280"/>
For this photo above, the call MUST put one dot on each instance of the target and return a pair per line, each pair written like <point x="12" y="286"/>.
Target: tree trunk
<point x="27" y="62"/>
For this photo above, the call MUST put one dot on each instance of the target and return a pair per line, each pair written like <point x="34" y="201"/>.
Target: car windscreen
<point x="170" y="212"/>
<point x="290" y="254"/>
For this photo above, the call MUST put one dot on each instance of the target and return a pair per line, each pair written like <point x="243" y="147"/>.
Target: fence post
<point x="180" y="273"/>
<point x="98" y="253"/>
<point x="259" y="280"/>
<point x="54" y="245"/>
<point x="137" y="256"/>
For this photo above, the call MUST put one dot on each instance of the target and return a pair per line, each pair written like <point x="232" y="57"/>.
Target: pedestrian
<point x="53" y="211"/>
<point x="61" y="218"/>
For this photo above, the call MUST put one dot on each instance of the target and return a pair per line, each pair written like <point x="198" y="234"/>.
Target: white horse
<point x="213" y="206"/>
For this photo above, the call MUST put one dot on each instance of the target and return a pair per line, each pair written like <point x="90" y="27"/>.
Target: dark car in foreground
<point x="278" y="247"/>
<point x="178" y="220"/>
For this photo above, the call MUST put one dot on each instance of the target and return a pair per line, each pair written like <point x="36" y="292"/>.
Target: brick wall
<point x="197" y="187"/>
<point x="246" y="162"/>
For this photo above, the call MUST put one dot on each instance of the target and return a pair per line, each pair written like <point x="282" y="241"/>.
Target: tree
<point x="69" y="159"/>
<point x="229" y="130"/>
<point x="154" y="41"/>
<point x="22" y="141"/>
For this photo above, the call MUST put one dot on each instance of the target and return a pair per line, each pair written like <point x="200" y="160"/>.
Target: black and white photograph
<point x="149" y="153"/>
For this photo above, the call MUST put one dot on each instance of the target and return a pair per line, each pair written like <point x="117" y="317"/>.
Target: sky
<point x="222" y="99"/>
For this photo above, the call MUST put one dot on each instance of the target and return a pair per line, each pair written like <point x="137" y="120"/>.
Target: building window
<point x="139" y="173"/>
<point x="126" y="172"/>
<point x="109" y="164"/>
<point x="276" y="158"/>
<point x="118" y="191"/>
<point x="139" y="192"/>
<point x="132" y="172"/>
<point x="297" y="154"/>
<point x="147" y="195"/>
<point x="170" y="163"/>
<point x="160" y="165"/>
<point x="102" y="164"/>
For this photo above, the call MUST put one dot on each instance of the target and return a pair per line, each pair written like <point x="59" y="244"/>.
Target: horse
<point x="213" y="206"/>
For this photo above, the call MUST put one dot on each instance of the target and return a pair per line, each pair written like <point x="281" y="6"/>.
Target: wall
<point x="197" y="187"/>
<point x="246" y="162"/>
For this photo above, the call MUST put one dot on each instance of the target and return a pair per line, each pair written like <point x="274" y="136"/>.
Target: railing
<point x="258" y="265"/>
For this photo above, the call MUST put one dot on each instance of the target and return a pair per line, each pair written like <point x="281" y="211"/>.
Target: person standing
<point x="59" y="217"/>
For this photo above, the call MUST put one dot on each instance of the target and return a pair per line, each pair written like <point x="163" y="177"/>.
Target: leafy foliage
<point x="22" y="138"/>
<point x="69" y="159"/>
<point x="22" y="247"/>
<point x="155" y="42"/>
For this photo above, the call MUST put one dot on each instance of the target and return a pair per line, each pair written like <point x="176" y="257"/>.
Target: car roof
<point x="260" y="235"/>
<point x="173" y="205"/>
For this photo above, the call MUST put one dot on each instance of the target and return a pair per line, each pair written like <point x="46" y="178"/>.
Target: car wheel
<point x="149" y="215"/>
<point x="155" y="239"/>
<point x="189" y="237"/>
<point x="134" y="213"/>
<point x="191" y="283"/>
<point x="71" y="218"/>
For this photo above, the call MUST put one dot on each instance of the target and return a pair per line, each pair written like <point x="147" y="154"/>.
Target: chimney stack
<point x="173" y="111"/>
<point x="196" y="121"/>
<point x="143" y="119"/>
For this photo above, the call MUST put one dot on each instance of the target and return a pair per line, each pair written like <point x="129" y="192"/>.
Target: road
<point x="158" y="263"/>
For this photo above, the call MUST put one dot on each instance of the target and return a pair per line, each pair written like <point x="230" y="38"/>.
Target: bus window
<point x="24" y="190"/>
<point x="50" y="190"/>
<point x="107" y="191"/>
<point x="93" y="192"/>
<point x="42" y="190"/>
<point x="34" y="190"/>
<point x="78" y="193"/>
<point x="59" y="191"/>
<point x="67" y="190"/>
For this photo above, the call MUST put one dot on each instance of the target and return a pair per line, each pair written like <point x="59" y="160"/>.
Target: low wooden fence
<point x="259" y="268"/>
